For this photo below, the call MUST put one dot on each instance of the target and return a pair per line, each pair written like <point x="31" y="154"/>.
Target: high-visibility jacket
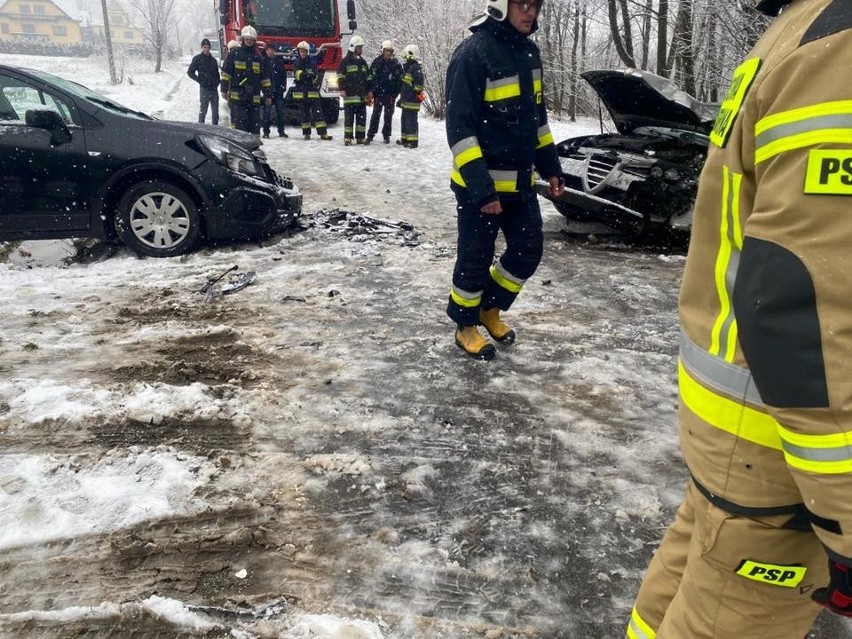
<point x="305" y="78"/>
<point x="245" y="76"/>
<point x="354" y="78"/>
<point x="412" y="85"/>
<point x="765" y="371"/>
<point x="496" y="115"/>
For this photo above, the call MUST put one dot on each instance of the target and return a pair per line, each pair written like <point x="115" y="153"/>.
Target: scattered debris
<point x="362" y="228"/>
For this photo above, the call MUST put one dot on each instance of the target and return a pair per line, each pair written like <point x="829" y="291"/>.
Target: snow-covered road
<point x="313" y="456"/>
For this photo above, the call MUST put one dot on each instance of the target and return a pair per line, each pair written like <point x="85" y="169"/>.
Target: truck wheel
<point x="331" y="110"/>
<point x="158" y="219"/>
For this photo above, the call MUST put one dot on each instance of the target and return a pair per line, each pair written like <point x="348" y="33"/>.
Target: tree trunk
<point x="663" y="66"/>
<point x="622" y="36"/>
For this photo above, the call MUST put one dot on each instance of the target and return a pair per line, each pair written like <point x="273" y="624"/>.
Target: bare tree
<point x="157" y="16"/>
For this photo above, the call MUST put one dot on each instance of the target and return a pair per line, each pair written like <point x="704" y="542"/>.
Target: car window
<point x="17" y="96"/>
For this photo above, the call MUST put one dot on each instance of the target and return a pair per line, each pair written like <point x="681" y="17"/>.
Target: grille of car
<point x="598" y="168"/>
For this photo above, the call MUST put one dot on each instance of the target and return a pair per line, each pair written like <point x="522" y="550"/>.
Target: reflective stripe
<point x="638" y="629"/>
<point x="502" y="89"/>
<point x="225" y="77"/>
<point x="712" y="371"/>
<point x="465" y="151"/>
<point x="827" y="122"/>
<point x="239" y="64"/>
<point x="730" y="416"/>
<point x="545" y="137"/>
<point x="505" y="279"/>
<point x="723" y="338"/>
<point x="465" y="298"/>
<point x="821" y="454"/>
<point x="505" y="181"/>
<point x="536" y="75"/>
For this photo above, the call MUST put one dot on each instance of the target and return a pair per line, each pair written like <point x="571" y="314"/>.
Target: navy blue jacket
<point x="305" y="74"/>
<point x="496" y="115"/>
<point x="278" y="75"/>
<point x="387" y="76"/>
<point x="205" y="70"/>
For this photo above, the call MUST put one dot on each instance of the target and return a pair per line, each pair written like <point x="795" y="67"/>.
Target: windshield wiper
<point x="117" y="107"/>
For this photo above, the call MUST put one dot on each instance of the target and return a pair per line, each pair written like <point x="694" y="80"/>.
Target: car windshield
<point x="83" y="92"/>
<point x="292" y="17"/>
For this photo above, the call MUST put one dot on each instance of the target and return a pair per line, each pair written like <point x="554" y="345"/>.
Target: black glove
<point x="838" y="596"/>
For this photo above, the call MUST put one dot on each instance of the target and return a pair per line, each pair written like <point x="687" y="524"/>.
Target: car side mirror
<point x="353" y="25"/>
<point x="350" y="10"/>
<point x="50" y="121"/>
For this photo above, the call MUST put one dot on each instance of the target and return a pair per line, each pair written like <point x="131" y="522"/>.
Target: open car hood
<point x="637" y="98"/>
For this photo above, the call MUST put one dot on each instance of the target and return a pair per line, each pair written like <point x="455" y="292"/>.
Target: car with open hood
<point x="74" y="163"/>
<point x="642" y="179"/>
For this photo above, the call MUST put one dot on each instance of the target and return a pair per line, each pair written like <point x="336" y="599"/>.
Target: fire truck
<point x="282" y="24"/>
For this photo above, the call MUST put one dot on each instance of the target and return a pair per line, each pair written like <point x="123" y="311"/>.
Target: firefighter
<point x="386" y="72"/>
<point x="411" y="97"/>
<point x="306" y="93"/>
<point x="278" y="77"/>
<point x="244" y="78"/>
<point x="497" y="130"/>
<point x="765" y="308"/>
<point x="354" y="78"/>
<point x="205" y="70"/>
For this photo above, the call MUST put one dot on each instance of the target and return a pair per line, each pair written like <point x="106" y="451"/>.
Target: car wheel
<point x="158" y="219"/>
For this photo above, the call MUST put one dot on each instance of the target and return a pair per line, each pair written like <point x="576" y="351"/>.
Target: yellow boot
<point x="472" y="343"/>
<point x="496" y="327"/>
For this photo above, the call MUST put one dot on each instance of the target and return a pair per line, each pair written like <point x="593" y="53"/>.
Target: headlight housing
<point x="330" y="82"/>
<point x="230" y="155"/>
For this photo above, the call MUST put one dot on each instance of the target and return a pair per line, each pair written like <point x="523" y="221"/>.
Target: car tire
<point x="157" y="219"/>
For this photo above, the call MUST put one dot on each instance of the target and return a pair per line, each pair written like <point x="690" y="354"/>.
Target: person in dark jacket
<point x="497" y="131"/>
<point x="411" y="97"/>
<point x="205" y="70"/>
<point x="354" y="77"/>
<point x="386" y="84"/>
<point x="306" y="93"/>
<point x="244" y="78"/>
<point x="278" y="76"/>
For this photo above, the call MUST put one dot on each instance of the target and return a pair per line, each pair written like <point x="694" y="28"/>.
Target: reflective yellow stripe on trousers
<point x="638" y="629"/>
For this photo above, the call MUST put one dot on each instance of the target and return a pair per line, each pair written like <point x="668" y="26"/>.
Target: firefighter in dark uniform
<point x="765" y="366"/>
<point x="244" y="78"/>
<point x="354" y="77"/>
<point x="410" y="97"/>
<point x="497" y="131"/>
<point x="278" y="76"/>
<point x="306" y="93"/>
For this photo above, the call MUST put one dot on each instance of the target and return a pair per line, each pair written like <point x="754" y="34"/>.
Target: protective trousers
<point x="274" y="111"/>
<point x="355" y="119"/>
<point x="409" y="128"/>
<point x="717" y="575"/>
<point x="310" y="110"/>
<point x="245" y="116"/>
<point x="384" y="104"/>
<point x="476" y="282"/>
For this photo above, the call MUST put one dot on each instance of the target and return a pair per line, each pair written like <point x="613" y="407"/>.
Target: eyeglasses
<point x="525" y="5"/>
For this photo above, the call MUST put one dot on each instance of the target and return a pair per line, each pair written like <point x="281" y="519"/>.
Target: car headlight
<point x="230" y="155"/>
<point x="330" y="81"/>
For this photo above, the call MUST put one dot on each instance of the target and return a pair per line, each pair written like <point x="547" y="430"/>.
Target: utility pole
<point x="110" y="60"/>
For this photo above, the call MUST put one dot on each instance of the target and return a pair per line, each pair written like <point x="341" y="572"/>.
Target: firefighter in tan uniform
<point x="764" y="533"/>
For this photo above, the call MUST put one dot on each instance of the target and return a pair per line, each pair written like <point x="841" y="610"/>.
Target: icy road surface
<point x="313" y="456"/>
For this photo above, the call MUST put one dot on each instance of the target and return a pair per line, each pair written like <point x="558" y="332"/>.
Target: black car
<point x="74" y="163"/>
<point x="642" y="180"/>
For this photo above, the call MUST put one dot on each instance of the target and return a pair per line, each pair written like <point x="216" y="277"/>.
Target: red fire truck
<point x="282" y="24"/>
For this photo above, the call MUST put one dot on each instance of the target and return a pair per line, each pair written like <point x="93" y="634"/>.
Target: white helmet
<point x="387" y="44"/>
<point x="499" y="9"/>
<point x="355" y="41"/>
<point x="303" y="45"/>
<point x="233" y="44"/>
<point x="249" y="32"/>
<point x="411" y="52"/>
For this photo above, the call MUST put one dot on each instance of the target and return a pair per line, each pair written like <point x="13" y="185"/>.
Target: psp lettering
<point x="836" y="168"/>
<point x="772" y="574"/>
